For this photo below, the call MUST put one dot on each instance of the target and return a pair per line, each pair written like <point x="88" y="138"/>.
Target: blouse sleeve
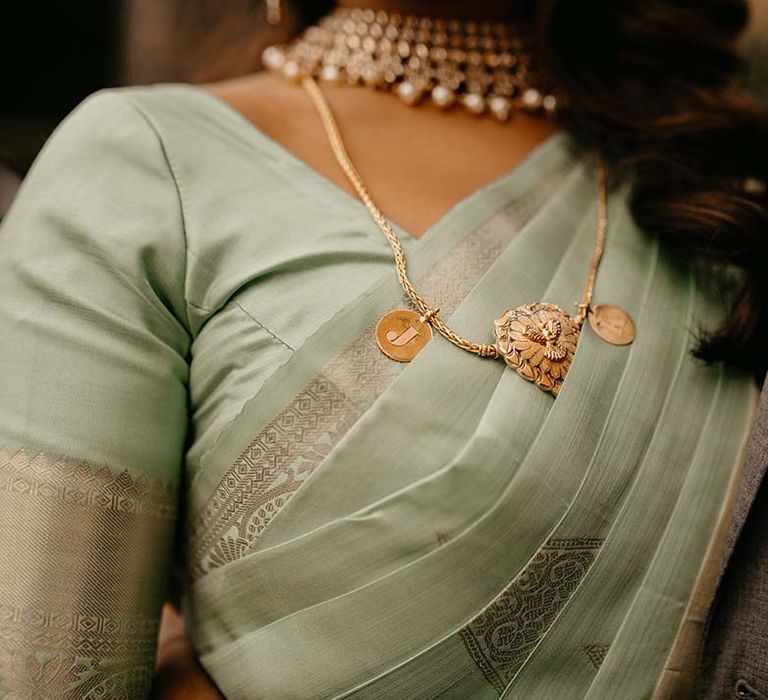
<point x="93" y="406"/>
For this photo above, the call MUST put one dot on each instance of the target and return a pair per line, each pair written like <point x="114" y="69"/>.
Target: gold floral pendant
<point x="538" y="341"/>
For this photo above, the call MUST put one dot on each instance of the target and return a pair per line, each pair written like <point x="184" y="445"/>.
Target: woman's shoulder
<point x="102" y="154"/>
<point x="101" y="204"/>
<point x="100" y="122"/>
<point x="182" y="116"/>
<point x="112" y="135"/>
<point x="195" y="139"/>
<point x="250" y="109"/>
<point x="240" y="122"/>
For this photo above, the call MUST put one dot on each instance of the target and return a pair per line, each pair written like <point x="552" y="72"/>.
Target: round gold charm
<point x="401" y="335"/>
<point x="538" y="341"/>
<point x="612" y="324"/>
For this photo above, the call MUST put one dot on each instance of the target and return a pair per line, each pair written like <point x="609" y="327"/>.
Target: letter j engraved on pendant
<point x="401" y="334"/>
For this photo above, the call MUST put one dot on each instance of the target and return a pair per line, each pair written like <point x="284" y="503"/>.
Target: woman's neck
<point x="480" y="10"/>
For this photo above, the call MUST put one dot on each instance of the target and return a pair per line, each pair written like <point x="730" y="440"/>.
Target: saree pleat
<point x="665" y="590"/>
<point x="585" y="628"/>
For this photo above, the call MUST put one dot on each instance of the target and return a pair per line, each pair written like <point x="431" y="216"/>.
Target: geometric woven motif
<point x="74" y="620"/>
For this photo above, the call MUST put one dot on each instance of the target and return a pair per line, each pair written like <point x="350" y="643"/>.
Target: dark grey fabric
<point x="734" y="660"/>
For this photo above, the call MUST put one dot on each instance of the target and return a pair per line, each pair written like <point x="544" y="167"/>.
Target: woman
<point x="199" y="338"/>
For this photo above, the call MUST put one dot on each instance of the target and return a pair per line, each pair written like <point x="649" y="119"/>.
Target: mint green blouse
<point x="189" y="382"/>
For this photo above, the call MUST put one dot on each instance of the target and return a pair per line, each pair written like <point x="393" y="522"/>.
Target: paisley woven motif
<point x="504" y="634"/>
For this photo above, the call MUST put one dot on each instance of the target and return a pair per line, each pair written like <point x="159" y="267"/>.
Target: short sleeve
<point x="93" y="406"/>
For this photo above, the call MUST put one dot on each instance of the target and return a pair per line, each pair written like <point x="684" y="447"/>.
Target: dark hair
<point x="656" y="82"/>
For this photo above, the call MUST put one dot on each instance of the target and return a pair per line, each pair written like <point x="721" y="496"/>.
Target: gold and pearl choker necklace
<point x="483" y="67"/>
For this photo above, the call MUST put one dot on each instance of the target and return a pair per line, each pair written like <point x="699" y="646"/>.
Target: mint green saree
<point x="351" y="526"/>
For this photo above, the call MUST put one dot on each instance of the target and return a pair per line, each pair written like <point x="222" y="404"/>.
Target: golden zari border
<point x="83" y="566"/>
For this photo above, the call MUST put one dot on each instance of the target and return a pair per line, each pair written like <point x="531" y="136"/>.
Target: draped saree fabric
<point x="357" y="527"/>
<point x="445" y="529"/>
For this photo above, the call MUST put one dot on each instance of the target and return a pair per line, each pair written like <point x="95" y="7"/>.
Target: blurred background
<point x="56" y="54"/>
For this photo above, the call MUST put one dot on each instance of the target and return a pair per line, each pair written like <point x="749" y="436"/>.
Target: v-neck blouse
<point x="271" y="249"/>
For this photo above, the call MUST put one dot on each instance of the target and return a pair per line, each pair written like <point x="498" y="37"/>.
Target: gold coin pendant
<point x="612" y="324"/>
<point x="401" y="335"/>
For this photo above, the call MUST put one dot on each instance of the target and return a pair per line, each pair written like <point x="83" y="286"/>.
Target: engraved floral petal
<point x="538" y="355"/>
<point x="545" y="381"/>
<point x="527" y="370"/>
<point x="513" y="359"/>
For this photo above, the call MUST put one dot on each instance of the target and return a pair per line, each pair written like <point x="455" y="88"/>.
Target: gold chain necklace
<point x="483" y="67"/>
<point x="538" y="340"/>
